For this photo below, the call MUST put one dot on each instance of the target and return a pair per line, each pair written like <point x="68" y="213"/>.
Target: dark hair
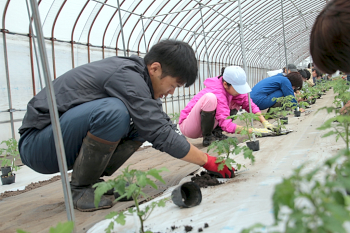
<point x="177" y="59"/>
<point x="318" y="72"/>
<point x="308" y="74"/>
<point x="310" y="65"/>
<point x="330" y="37"/>
<point x="222" y="74"/>
<point x="295" y="79"/>
<point x="302" y="73"/>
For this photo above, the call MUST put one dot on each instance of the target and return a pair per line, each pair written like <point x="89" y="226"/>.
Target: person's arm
<point x="261" y="117"/>
<point x="195" y="156"/>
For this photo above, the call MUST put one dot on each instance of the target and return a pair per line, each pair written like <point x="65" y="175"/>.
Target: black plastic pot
<point x="253" y="145"/>
<point x="313" y="101"/>
<point x="297" y="113"/>
<point x="5" y="170"/>
<point x="187" y="195"/>
<point x="8" y="179"/>
<point x="319" y="96"/>
<point x="284" y="120"/>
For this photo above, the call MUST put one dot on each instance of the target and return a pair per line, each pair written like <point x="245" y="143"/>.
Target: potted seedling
<point x="130" y="185"/>
<point x="313" y="93"/>
<point x="297" y="111"/>
<point x="341" y="88"/>
<point x="247" y="118"/>
<point x="279" y="114"/>
<point x="10" y="154"/>
<point x="305" y="97"/>
<point x="287" y="105"/>
<point x="227" y="147"/>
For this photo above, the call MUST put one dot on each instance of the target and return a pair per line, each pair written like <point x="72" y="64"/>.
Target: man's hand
<point x="262" y="132"/>
<point x="268" y="125"/>
<point x="212" y="168"/>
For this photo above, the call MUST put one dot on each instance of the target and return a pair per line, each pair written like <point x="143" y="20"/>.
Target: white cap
<point x="236" y="76"/>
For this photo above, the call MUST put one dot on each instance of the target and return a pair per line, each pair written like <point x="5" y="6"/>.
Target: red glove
<point x="212" y="168"/>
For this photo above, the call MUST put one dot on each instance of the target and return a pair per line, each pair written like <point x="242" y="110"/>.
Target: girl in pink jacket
<point x="205" y="115"/>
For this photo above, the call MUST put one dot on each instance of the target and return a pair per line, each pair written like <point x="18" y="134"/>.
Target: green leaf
<point x="155" y="174"/>
<point x="21" y="231"/>
<point x="331" y="224"/>
<point x="142" y="180"/>
<point x="111" y="215"/>
<point x="120" y="219"/>
<point x="338" y="197"/>
<point x="100" y="189"/>
<point x="221" y="167"/>
<point x="110" y="227"/>
<point x="62" y="228"/>
<point x="151" y="183"/>
<point x="131" y="189"/>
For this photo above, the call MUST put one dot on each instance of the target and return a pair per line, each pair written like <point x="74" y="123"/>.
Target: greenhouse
<point x="174" y="116"/>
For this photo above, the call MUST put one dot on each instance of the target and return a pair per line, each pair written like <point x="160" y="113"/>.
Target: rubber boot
<point x="207" y="125"/>
<point x="92" y="160"/>
<point x="217" y="132"/>
<point x="123" y="152"/>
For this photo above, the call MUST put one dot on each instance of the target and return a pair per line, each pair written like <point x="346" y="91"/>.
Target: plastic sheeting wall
<point x="22" y="86"/>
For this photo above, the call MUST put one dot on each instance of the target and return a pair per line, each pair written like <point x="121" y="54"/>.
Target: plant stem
<point x="135" y="196"/>
<point x="347" y="136"/>
<point x="247" y="124"/>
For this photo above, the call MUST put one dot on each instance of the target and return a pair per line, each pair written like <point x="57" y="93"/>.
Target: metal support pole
<point x="56" y="128"/>
<point x="243" y="53"/>
<point x="8" y="80"/>
<point x="284" y="35"/>
<point x="205" y="41"/>
<point x="121" y="27"/>
<point x="35" y="50"/>
<point x="195" y="42"/>
<point x="279" y="54"/>
<point x="144" y="35"/>
<point x="228" y="53"/>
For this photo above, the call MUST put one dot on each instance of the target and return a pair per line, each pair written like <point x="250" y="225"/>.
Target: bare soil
<point x="205" y="179"/>
<point x="29" y="187"/>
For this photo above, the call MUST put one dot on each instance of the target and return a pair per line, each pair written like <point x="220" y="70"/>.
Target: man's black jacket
<point x="125" y="78"/>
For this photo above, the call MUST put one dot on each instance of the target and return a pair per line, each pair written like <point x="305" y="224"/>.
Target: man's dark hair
<point x="308" y="74"/>
<point x="295" y="79"/>
<point x="177" y="59"/>
<point x="330" y="37"/>
<point x="310" y="65"/>
<point x="318" y="72"/>
<point x="302" y="73"/>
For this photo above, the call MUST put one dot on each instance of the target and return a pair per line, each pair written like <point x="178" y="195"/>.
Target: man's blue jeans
<point x="106" y="118"/>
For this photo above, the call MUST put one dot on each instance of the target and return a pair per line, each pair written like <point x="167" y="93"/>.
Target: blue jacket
<point x="268" y="88"/>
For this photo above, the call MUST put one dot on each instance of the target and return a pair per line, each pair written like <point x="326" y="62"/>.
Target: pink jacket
<point x="225" y="103"/>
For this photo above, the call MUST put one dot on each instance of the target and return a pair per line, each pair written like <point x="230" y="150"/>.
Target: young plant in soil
<point x="341" y="88"/>
<point x="10" y="154"/>
<point x="316" y="200"/>
<point x="130" y="184"/>
<point x="287" y="107"/>
<point x="224" y="148"/>
<point x="247" y="118"/>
